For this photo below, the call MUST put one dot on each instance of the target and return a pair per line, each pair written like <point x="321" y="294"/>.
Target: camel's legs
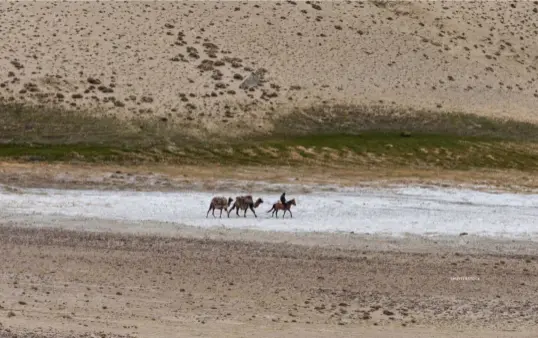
<point x="232" y="209"/>
<point x="208" y="210"/>
<point x="254" y="212"/>
<point x="220" y="213"/>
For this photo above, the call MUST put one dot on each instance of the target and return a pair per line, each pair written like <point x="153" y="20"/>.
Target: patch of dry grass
<point x="357" y="119"/>
<point x="330" y="136"/>
<point x="44" y="125"/>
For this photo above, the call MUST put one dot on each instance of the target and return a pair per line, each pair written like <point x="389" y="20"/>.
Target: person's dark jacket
<point x="283" y="198"/>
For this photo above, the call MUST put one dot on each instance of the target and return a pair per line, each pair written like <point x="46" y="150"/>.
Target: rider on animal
<point x="283" y="198"/>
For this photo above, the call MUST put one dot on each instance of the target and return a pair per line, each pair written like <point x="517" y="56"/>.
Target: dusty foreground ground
<point x="239" y="283"/>
<point x="73" y="284"/>
<point x="250" y="179"/>
<point x="217" y="66"/>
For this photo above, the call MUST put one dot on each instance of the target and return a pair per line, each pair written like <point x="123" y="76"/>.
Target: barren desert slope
<point x="218" y="69"/>
<point x="231" y="67"/>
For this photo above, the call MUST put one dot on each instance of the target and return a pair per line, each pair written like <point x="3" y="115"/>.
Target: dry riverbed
<point x="67" y="284"/>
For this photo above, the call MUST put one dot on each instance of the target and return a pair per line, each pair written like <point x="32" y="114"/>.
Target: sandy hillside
<point x="225" y="65"/>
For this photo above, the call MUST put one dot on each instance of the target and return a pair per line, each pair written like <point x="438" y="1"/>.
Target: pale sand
<point x="476" y="57"/>
<point x="396" y="52"/>
<point x="159" y="177"/>
<point x="240" y="283"/>
<point x="57" y="283"/>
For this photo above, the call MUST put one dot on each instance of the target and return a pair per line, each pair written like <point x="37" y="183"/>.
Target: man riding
<point x="283" y="198"/>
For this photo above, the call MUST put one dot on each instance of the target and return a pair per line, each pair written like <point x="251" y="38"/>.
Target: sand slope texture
<point x="220" y="66"/>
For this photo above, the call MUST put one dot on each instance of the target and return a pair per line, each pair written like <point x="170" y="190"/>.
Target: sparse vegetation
<point x="248" y="94"/>
<point x="320" y="136"/>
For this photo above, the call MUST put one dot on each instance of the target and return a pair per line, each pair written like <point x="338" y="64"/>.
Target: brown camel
<point x="219" y="203"/>
<point x="245" y="203"/>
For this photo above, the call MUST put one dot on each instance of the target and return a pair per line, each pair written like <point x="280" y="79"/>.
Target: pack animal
<point x="282" y="206"/>
<point x="219" y="202"/>
<point x="245" y="203"/>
